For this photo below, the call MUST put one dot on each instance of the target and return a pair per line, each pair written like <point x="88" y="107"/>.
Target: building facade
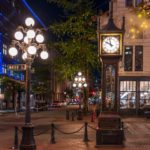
<point x="134" y="70"/>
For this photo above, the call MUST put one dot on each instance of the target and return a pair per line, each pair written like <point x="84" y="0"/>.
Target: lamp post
<point x="28" y="41"/>
<point x="80" y="83"/>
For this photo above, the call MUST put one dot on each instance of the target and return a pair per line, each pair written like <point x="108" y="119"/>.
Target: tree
<point x="75" y="38"/>
<point x="41" y="77"/>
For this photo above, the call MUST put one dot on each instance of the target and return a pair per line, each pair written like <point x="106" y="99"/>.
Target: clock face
<point x="110" y="44"/>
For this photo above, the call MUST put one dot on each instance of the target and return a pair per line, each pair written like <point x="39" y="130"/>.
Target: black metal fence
<point x="53" y="128"/>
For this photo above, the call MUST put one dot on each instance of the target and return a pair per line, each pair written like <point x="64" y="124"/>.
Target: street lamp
<point x="28" y="41"/>
<point x="79" y="83"/>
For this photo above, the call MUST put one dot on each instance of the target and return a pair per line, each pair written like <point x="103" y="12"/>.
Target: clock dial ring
<point x="110" y="44"/>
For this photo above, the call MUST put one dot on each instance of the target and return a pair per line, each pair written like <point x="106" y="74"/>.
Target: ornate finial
<point x="110" y="26"/>
<point x="111" y="9"/>
<point x="98" y="23"/>
<point x="123" y="23"/>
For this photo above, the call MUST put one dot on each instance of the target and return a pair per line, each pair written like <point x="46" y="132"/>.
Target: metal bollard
<point x="92" y="119"/>
<point x="122" y="125"/>
<point x="85" y="132"/>
<point x="52" y="134"/>
<point x="72" y="116"/>
<point x="15" y="139"/>
<point x="67" y="114"/>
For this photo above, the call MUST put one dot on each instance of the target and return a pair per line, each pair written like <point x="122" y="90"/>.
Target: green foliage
<point x="76" y="38"/>
<point x="71" y="5"/>
<point x="41" y="77"/>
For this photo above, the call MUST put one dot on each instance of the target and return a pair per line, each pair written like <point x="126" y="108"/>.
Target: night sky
<point x="49" y="13"/>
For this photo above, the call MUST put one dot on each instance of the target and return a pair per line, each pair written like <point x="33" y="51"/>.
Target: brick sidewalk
<point x="137" y="132"/>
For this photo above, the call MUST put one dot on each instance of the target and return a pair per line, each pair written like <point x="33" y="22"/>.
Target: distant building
<point x="134" y="68"/>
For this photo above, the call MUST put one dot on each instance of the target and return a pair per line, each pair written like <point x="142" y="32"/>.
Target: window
<point x="138" y="58"/>
<point x="144" y="93"/>
<point x="127" y="94"/>
<point x="128" y="58"/>
<point x="129" y="3"/>
<point x="4" y="49"/>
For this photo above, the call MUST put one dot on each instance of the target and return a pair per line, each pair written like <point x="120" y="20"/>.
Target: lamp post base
<point x="28" y="142"/>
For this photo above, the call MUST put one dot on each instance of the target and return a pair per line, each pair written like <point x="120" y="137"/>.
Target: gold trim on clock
<point x="111" y="44"/>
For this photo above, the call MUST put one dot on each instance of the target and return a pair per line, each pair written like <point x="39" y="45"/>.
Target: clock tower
<point x="110" y="50"/>
<point x="110" y="40"/>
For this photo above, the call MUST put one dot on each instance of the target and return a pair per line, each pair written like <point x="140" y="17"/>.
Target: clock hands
<point x="109" y="43"/>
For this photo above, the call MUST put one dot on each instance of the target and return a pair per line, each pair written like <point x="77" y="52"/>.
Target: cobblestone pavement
<point x="137" y="132"/>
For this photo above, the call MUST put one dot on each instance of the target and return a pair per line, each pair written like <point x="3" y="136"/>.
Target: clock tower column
<point x="110" y="40"/>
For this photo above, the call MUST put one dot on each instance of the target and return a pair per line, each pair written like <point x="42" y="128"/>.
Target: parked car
<point x="73" y="103"/>
<point x="55" y="104"/>
<point x="63" y="103"/>
<point x="58" y="104"/>
<point x="146" y="110"/>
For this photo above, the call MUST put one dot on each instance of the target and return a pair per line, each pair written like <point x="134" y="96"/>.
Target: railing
<point x="53" y="128"/>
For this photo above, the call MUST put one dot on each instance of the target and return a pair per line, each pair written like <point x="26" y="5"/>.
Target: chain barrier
<point x="52" y="129"/>
<point x="36" y="134"/>
<point x="43" y="132"/>
<point x="69" y="132"/>
<point x="92" y="127"/>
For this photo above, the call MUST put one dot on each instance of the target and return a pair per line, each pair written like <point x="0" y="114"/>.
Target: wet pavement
<point x="70" y="134"/>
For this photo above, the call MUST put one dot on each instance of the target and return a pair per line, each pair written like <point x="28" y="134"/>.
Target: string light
<point x="139" y="22"/>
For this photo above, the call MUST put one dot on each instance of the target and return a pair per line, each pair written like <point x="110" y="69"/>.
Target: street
<point x="137" y="132"/>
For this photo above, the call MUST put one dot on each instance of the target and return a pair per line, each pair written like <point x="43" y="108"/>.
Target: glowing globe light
<point x="83" y="79"/>
<point x="80" y="79"/>
<point x="80" y="85"/>
<point x="79" y="73"/>
<point x="24" y="56"/>
<point x="30" y="34"/>
<point x="39" y="38"/>
<point x="74" y="85"/>
<point x="26" y="40"/>
<point x="85" y="85"/>
<point x="44" y="55"/>
<point x="32" y="50"/>
<point x="29" y="21"/>
<point x="18" y="35"/>
<point x="13" y="51"/>
<point x="76" y="79"/>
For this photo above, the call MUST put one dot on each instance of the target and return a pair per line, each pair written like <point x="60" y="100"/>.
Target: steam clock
<point x="111" y="41"/>
<point x="110" y="50"/>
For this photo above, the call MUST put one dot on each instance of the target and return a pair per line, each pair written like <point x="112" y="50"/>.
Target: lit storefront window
<point x="144" y="93"/>
<point x="127" y="94"/>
